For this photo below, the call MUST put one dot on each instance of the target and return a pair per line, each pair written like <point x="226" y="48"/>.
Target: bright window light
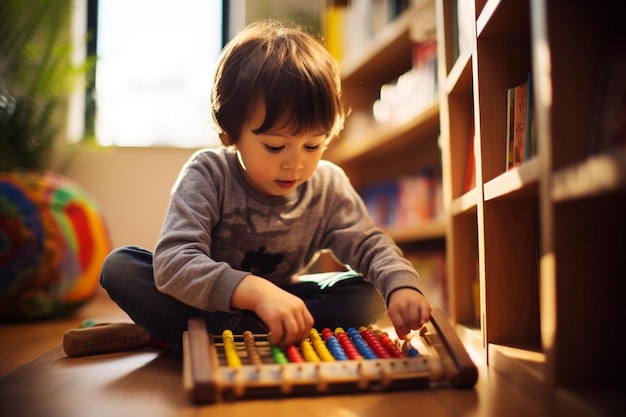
<point x="155" y="64"/>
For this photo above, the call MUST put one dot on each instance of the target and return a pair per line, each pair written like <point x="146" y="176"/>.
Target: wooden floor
<point x="37" y="379"/>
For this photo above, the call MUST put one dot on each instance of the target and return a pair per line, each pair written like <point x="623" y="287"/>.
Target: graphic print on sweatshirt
<point x="271" y="241"/>
<point x="260" y="262"/>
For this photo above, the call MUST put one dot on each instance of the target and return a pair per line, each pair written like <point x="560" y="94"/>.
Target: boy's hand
<point x="408" y="310"/>
<point x="286" y="316"/>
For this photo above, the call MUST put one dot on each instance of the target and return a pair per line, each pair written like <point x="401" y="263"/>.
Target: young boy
<point x="245" y="219"/>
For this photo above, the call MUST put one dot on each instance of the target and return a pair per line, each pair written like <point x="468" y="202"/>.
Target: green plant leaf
<point x="37" y="76"/>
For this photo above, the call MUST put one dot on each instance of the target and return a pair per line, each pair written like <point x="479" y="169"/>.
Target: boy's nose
<point x="293" y="161"/>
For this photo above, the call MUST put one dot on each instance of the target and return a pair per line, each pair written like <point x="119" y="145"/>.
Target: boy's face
<point x="276" y="162"/>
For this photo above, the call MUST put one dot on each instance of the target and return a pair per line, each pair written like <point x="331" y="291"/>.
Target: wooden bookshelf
<point x="372" y="152"/>
<point x="545" y="239"/>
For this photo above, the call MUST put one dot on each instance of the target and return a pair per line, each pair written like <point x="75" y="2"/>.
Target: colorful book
<point x="464" y="25"/>
<point x="531" y="138"/>
<point x="334" y="22"/>
<point x="328" y="279"/>
<point x="510" y="126"/>
<point x="520" y="114"/>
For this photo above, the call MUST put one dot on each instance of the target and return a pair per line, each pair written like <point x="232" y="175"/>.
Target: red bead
<point x="293" y="354"/>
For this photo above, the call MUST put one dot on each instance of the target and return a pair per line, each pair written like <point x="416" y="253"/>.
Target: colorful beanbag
<point x="53" y="240"/>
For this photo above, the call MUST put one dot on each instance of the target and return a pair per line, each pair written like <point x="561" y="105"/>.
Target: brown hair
<point x="287" y="68"/>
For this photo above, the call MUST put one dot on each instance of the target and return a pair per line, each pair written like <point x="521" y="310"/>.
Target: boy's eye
<point x="312" y="148"/>
<point x="274" y="149"/>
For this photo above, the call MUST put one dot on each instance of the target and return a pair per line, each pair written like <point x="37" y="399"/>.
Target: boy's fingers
<point x="276" y="334"/>
<point x="399" y="324"/>
<point x="425" y="313"/>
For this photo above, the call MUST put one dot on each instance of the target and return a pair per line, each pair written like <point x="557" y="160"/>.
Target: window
<point x="154" y="72"/>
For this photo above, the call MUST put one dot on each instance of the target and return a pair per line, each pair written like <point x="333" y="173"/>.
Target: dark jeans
<point x="127" y="277"/>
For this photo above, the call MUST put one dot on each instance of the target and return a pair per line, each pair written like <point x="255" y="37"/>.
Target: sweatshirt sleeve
<point x="355" y="240"/>
<point x="183" y="267"/>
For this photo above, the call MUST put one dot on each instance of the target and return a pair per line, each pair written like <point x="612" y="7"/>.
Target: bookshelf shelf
<point x="501" y="18"/>
<point x="423" y="126"/>
<point x="517" y="182"/>
<point x="600" y="174"/>
<point x="523" y="366"/>
<point x="364" y="63"/>
<point x="435" y="229"/>
<point x="538" y="241"/>
<point x="466" y="202"/>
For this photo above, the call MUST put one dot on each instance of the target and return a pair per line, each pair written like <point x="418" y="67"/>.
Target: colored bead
<point x="391" y="347"/>
<point x="230" y="351"/>
<point x="278" y="355"/>
<point x="293" y="355"/>
<point x="412" y="352"/>
<point x="335" y="348"/>
<point x="347" y="346"/>
<point x="371" y="341"/>
<point x="320" y="347"/>
<point x="254" y="357"/>
<point x="409" y="350"/>
<point x="326" y="333"/>
<point x="314" y="335"/>
<point x="360" y="344"/>
<point x="308" y="352"/>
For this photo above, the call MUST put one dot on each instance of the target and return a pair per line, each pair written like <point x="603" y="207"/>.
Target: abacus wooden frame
<point x="207" y="381"/>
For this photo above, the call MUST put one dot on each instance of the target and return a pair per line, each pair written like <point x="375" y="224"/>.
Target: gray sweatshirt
<point x="218" y="230"/>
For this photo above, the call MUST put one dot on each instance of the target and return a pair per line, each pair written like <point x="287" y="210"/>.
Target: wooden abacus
<point x="231" y="366"/>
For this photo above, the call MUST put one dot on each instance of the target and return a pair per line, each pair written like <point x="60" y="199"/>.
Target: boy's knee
<point x="120" y="261"/>
<point x="115" y="258"/>
<point x="111" y="266"/>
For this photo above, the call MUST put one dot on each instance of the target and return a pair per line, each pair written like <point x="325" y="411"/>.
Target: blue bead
<point x="412" y="352"/>
<point x="335" y="349"/>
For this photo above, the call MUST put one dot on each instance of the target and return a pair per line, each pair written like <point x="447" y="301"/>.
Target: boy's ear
<point x="224" y="138"/>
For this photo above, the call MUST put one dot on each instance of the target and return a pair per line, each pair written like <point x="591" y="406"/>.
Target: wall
<point x="132" y="187"/>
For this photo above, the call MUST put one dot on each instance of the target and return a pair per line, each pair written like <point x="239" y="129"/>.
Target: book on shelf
<point x="407" y="201"/>
<point x="520" y="124"/>
<point x="424" y="87"/>
<point x="423" y="23"/>
<point x="415" y="200"/>
<point x="510" y="126"/>
<point x="349" y="24"/>
<point x="381" y="201"/>
<point x="333" y="21"/>
<point x="463" y="25"/>
<point x="531" y="137"/>
<point x="413" y="91"/>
